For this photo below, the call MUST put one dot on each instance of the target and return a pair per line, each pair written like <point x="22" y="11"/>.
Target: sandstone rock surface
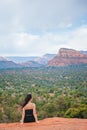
<point x="49" y="124"/>
<point x="68" y="57"/>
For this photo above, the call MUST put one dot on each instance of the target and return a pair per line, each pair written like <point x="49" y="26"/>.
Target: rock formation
<point x="68" y="57"/>
<point x="48" y="124"/>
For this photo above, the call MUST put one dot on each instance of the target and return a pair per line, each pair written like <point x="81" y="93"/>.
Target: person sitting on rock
<point x="29" y="110"/>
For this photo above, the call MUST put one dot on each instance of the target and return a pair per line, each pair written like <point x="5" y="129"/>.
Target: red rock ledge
<point x="48" y="124"/>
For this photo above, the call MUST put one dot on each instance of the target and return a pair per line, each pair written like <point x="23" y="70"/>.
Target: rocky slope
<point x="31" y="64"/>
<point x="45" y="58"/>
<point x="8" y="64"/>
<point x="49" y="124"/>
<point x="68" y="57"/>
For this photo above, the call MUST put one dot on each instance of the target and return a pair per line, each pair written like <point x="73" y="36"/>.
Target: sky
<point x="37" y="27"/>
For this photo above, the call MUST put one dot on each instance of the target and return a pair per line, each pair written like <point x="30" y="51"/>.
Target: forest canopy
<point x="57" y="91"/>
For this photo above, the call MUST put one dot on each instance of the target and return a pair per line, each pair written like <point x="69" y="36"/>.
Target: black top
<point x="29" y="117"/>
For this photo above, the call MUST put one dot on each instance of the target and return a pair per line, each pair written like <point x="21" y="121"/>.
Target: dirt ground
<point x="48" y="124"/>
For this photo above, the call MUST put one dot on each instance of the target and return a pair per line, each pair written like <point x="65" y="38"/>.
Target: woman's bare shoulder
<point x="29" y="106"/>
<point x="33" y="104"/>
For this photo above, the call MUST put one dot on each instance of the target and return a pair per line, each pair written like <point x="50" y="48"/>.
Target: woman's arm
<point x="34" y="112"/>
<point x="23" y="115"/>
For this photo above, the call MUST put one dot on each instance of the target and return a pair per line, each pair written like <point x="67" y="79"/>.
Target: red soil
<point x="48" y="124"/>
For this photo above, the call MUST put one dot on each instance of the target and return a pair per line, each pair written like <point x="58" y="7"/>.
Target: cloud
<point x="20" y="15"/>
<point x="35" y="27"/>
<point x="25" y="44"/>
<point x="51" y="13"/>
<point x="78" y="38"/>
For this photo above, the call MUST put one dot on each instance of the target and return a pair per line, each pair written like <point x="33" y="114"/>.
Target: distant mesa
<point x="64" y="52"/>
<point x="67" y="56"/>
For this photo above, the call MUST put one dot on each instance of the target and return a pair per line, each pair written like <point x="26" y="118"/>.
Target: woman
<point x="29" y="110"/>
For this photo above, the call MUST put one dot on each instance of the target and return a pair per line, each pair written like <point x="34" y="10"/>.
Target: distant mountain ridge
<point x="18" y="62"/>
<point x="31" y="64"/>
<point x="8" y="64"/>
<point x="67" y="56"/>
<point x="40" y="60"/>
<point x="64" y="57"/>
<point x="18" y="59"/>
<point x="3" y="58"/>
<point x="83" y="52"/>
<point x="45" y="58"/>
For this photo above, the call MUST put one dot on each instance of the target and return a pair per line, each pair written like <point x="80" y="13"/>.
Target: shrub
<point x="72" y="113"/>
<point x="80" y="112"/>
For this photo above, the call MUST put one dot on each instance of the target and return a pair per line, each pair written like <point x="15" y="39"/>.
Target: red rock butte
<point x="68" y="57"/>
<point x="49" y="124"/>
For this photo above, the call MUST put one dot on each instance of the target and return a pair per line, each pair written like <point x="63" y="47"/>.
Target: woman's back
<point x="29" y="106"/>
<point x="29" y="117"/>
<point x="29" y="110"/>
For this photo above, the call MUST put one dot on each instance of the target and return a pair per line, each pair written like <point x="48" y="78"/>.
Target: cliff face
<point x="68" y="57"/>
<point x="64" y="52"/>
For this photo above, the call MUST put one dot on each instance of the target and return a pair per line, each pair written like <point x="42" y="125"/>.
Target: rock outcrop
<point x="68" y="57"/>
<point x="49" y="124"/>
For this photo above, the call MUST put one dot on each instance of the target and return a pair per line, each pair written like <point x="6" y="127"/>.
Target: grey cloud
<point x="39" y="14"/>
<point x="49" y="13"/>
<point x="18" y="16"/>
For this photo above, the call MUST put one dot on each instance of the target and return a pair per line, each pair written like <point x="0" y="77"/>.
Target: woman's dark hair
<point x="27" y="99"/>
